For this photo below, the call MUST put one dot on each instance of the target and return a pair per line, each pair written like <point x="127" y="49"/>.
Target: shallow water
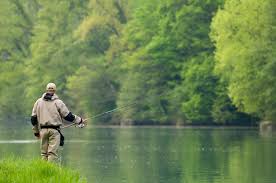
<point x="157" y="155"/>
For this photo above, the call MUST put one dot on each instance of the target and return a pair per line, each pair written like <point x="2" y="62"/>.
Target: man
<point x="47" y="115"/>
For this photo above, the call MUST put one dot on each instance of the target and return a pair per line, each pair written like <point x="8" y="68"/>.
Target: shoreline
<point x="175" y="126"/>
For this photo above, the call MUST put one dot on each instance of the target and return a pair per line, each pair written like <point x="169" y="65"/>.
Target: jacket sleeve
<point x="66" y="114"/>
<point x="34" y="119"/>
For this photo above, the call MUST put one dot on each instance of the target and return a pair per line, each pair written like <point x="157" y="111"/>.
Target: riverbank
<point x="186" y="125"/>
<point x="253" y="122"/>
<point x="36" y="171"/>
<point x="175" y="126"/>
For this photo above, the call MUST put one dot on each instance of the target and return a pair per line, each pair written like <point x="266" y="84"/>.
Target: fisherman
<point x="47" y="116"/>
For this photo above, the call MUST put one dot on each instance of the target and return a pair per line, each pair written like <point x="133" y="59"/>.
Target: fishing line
<point x="116" y="109"/>
<point x="101" y="114"/>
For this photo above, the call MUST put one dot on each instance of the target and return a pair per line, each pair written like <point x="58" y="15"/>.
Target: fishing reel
<point x="81" y="125"/>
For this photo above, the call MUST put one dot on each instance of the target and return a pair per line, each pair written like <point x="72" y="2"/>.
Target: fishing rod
<point x="111" y="111"/>
<point x="100" y="114"/>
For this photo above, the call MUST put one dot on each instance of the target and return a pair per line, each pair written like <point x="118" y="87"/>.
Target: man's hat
<point x="51" y="86"/>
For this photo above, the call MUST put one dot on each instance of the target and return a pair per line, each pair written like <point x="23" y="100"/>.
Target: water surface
<point x="157" y="154"/>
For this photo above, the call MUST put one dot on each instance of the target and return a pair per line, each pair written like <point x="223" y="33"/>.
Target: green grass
<point x="16" y="170"/>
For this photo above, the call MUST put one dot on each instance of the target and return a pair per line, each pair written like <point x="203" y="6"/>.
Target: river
<point x="157" y="154"/>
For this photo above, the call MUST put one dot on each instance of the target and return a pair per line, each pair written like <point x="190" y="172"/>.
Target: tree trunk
<point x="267" y="128"/>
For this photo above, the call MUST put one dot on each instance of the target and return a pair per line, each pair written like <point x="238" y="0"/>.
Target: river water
<point x="157" y="154"/>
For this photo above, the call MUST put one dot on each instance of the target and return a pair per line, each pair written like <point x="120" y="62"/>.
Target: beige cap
<point x="51" y="86"/>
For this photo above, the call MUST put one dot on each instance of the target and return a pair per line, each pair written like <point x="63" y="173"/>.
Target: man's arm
<point x="34" y="120"/>
<point x="67" y="115"/>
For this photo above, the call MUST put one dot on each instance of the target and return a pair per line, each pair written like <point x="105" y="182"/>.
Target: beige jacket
<point x="50" y="112"/>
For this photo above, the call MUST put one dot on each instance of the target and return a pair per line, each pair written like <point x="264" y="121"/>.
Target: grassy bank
<point x="16" y="170"/>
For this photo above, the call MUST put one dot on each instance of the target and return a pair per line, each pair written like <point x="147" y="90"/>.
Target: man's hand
<point x="82" y="124"/>
<point x="37" y="135"/>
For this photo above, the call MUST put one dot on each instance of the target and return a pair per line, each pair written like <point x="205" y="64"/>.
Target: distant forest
<point x="179" y="62"/>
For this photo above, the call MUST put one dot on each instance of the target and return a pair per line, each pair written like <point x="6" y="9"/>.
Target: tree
<point x="245" y="54"/>
<point x="55" y="54"/>
<point x="98" y="32"/>
<point x="142" y="82"/>
<point x="16" y="20"/>
<point x="166" y="38"/>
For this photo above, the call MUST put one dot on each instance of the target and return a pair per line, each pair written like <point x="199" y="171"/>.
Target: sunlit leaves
<point x="245" y="54"/>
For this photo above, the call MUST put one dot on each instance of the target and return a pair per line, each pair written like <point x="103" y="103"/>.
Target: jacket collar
<point x="47" y="97"/>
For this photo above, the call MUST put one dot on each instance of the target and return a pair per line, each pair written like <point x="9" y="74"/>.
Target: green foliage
<point x="243" y="32"/>
<point x="153" y="60"/>
<point x="224" y="111"/>
<point x="144" y="91"/>
<point x="164" y="47"/>
<point x="143" y="82"/>
<point x="21" y="171"/>
<point x="55" y="54"/>
<point x="16" y="20"/>
<point x="93" y="89"/>
<point x="96" y="77"/>
<point x="198" y="87"/>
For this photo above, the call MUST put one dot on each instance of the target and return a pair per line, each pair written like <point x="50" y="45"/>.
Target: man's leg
<point x="44" y="143"/>
<point x="54" y="140"/>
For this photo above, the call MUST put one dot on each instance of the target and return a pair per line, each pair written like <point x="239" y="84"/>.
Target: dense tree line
<point x="157" y="62"/>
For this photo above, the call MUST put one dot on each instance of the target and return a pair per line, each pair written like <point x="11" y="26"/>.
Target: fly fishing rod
<point x="101" y="114"/>
<point x="111" y="111"/>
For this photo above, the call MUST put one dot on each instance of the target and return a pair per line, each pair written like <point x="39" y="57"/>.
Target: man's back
<point x="47" y="115"/>
<point x="50" y="110"/>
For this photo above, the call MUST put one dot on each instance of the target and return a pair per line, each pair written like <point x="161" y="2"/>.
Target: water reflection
<point x="161" y="155"/>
